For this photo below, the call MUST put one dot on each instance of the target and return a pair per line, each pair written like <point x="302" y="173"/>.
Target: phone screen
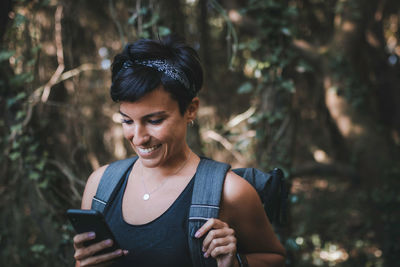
<point x="92" y="221"/>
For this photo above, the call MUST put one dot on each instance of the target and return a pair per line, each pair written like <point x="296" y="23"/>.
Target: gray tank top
<point x="161" y="242"/>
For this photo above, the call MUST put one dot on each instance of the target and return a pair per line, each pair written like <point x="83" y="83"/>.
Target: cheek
<point x="171" y="134"/>
<point x="126" y="132"/>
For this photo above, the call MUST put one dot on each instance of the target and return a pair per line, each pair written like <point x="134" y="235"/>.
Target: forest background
<point x="310" y="86"/>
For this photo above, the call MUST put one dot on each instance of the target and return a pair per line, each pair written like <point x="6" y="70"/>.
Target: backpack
<point x="206" y="196"/>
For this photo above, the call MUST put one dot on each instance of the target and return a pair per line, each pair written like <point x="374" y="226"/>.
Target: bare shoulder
<point x="91" y="187"/>
<point x="238" y="191"/>
<point x="240" y="200"/>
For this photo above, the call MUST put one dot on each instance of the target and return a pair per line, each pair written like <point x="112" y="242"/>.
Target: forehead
<point x="156" y="101"/>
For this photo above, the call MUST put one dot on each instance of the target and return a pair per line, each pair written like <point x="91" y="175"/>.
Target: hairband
<point x="165" y="67"/>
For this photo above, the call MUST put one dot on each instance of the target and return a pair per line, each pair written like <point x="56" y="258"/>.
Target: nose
<point x="140" y="135"/>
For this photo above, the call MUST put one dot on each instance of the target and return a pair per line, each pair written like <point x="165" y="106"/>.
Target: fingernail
<point x="109" y="242"/>
<point x="203" y="249"/>
<point x="91" y="234"/>
<point x="126" y="251"/>
<point x="118" y="252"/>
<point x="197" y="234"/>
<point x="205" y="255"/>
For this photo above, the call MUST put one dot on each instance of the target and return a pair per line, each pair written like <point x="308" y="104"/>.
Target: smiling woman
<point x="156" y="83"/>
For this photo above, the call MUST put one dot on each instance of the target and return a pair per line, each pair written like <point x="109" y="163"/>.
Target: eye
<point x="126" y="121"/>
<point x="155" y="122"/>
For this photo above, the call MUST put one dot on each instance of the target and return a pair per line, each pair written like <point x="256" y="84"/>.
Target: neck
<point x="172" y="167"/>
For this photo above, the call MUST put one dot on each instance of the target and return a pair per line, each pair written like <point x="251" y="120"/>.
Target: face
<point x="156" y="129"/>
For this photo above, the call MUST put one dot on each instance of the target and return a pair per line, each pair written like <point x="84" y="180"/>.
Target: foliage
<point x="312" y="88"/>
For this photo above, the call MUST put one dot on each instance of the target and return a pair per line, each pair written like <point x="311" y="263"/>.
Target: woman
<point x="155" y="83"/>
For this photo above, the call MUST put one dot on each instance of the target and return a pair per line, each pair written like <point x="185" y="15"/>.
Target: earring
<point x="191" y="123"/>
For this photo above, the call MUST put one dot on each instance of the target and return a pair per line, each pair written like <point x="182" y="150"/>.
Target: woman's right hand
<point x="84" y="255"/>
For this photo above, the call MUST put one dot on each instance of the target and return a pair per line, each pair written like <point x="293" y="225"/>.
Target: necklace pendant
<point x="146" y="196"/>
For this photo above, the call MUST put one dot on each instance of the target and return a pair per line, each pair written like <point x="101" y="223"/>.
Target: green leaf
<point x="20" y="95"/>
<point x="31" y="62"/>
<point x="20" y="114"/>
<point x="37" y="248"/>
<point x="16" y="128"/>
<point x="145" y="34"/>
<point x="163" y="31"/>
<point x="286" y="31"/>
<point x="41" y="164"/>
<point x="143" y="11"/>
<point x="19" y="19"/>
<point x="245" y="88"/>
<point x="34" y="175"/>
<point x="45" y="2"/>
<point x="15" y="144"/>
<point x="152" y="22"/>
<point x="36" y="49"/>
<point x="132" y="19"/>
<point x="14" y="155"/>
<point x="33" y="147"/>
<point x="5" y="54"/>
<point x="289" y="86"/>
<point x="21" y="79"/>
<point x="44" y="184"/>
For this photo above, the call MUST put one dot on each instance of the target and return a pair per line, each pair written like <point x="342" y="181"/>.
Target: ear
<point x="192" y="109"/>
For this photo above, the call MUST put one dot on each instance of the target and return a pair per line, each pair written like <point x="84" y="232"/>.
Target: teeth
<point x="147" y="150"/>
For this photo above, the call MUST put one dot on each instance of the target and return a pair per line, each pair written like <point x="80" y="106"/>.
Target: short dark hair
<point x="133" y="82"/>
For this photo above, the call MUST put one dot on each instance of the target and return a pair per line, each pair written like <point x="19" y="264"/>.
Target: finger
<point x="229" y="249"/>
<point x="220" y="242"/>
<point x="85" y="252"/>
<point x="210" y="224"/>
<point x="80" y="238"/>
<point x="101" y="258"/>
<point x="215" y="234"/>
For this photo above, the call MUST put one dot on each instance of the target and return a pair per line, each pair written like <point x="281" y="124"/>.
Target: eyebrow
<point x="146" y="116"/>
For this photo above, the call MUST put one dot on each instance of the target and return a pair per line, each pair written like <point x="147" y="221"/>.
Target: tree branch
<point x="60" y="55"/>
<point x="210" y="134"/>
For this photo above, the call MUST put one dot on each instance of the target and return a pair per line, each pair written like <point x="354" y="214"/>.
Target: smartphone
<point x="92" y="221"/>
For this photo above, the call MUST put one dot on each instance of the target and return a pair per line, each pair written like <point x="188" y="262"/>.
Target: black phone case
<point x="92" y="221"/>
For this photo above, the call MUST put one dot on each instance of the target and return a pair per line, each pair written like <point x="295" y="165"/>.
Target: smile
<point x="149" y="149"/>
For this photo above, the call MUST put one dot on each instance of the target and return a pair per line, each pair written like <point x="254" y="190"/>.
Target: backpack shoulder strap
<point x="206" y="197"/>
<point x="110" y="182"/>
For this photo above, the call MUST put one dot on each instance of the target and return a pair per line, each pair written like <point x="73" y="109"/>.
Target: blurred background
<point x="310" y="86"/>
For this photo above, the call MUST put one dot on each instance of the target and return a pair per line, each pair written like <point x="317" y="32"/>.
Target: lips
<point x="147" y="150"/>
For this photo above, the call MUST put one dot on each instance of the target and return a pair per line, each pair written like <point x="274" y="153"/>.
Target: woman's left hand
<point x="219" y="243"/>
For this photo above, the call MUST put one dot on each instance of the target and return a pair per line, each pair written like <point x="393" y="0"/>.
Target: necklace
<point x="147" y="194"/>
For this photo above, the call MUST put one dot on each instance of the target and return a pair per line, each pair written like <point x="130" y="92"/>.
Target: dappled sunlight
<point x="249" y="68"/>
<point x="306" y="186"/>
<point x="333" y="254"/>
<point x="321" y="156"/>
<point x="48" y="48"/>
<point x="339" y="109"/>
<point x="94" y="162"/>
<point x="114" y="138"/>
<point x="348" y="26"/>
<point x="310" y="87"/>
<point x="372" y="39"/>
<point x="235" y="16"/>
<point x="117" y="117"/>
<point x="323" y="252"/>
<point x="119" y="148"/>
<point x="236" y="137"/>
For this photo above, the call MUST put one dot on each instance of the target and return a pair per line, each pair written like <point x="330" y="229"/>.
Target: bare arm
<point x="91" y="187"/>
<point x="83" y="255"/>
<point x="242" y="209"/>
